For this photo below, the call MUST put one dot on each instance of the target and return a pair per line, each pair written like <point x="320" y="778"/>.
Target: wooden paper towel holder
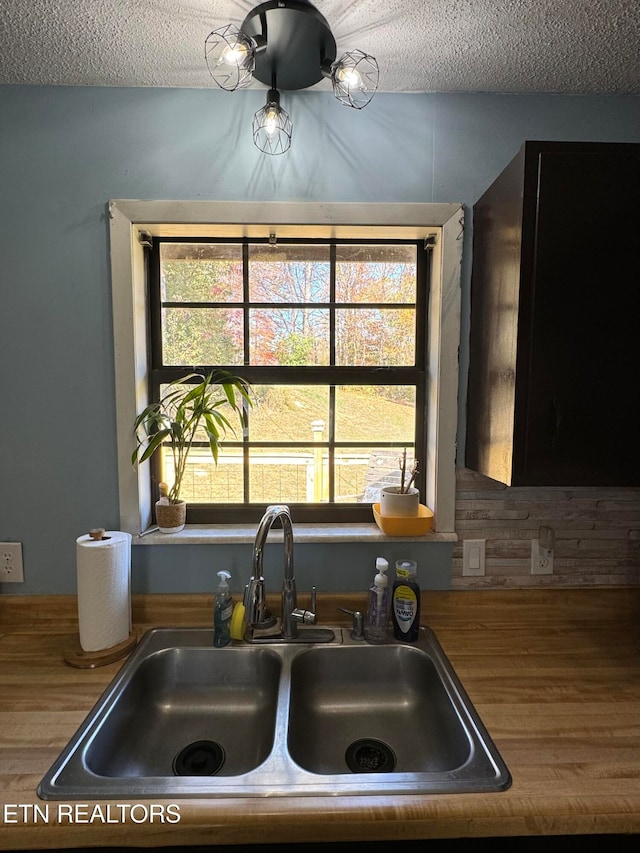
<point x="90" y="660"/>
<point x="80" y="659"/>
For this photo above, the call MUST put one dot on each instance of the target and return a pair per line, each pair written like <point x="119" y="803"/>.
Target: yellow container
<point x="393" y="525"/>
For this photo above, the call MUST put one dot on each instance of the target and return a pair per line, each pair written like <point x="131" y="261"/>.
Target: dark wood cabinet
<point x="555" y="320"/>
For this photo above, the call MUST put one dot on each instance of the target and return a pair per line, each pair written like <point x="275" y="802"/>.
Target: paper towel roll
<point x="104" y="589"/>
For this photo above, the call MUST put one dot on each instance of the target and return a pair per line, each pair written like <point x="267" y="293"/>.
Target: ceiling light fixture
<point x="287" y="45"/>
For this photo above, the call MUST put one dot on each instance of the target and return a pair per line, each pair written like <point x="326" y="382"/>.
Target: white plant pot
<point x="397" y="504"/>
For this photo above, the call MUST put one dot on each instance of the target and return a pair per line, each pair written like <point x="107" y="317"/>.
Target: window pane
<point x="376" y="273"/>
<point x="200" y="272"/>
<point x="288" y="273"/>
<point x="233" y="433"/>
<point x="350" y="468"/>
<point x="289" y="336"/>
<point x="383" y="469"/>
<point x="202" y="336"/>
<point x="375" y="336"/>
<point x="294" y="413"/>
<point x="361" y="472"/>
<point x="376" y="413"/>
<point x="281" y="475"/>
<point x="203" y="481"/>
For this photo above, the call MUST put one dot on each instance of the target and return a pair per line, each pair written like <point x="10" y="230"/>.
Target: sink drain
<point x="370" y="756"/>
<point x="200" y="758"/>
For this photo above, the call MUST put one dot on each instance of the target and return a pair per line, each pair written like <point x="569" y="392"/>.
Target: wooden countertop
<point x="554" y="675"/>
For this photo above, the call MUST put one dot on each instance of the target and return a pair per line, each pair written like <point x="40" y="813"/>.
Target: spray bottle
<point x="222" y="612"/>
<point x="377" y="618"/>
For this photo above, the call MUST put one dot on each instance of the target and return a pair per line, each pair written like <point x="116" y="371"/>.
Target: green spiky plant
<point x="185" y="408"/>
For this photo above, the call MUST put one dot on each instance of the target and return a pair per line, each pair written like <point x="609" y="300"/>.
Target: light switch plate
<point x="473" y="553"/>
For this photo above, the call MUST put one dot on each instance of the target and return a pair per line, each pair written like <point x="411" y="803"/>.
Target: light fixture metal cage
<point x="231" y="57"/>
<point x="355" y="78"/>
<point x="272" y="127"/>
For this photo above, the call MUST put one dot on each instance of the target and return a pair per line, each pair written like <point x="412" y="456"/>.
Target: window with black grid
<point x="331" y="335"/>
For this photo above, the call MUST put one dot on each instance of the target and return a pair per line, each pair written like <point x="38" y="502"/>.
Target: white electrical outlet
<point x="473" y="557"/>
<point x="541" y="559"/>
<point x="11" y="568"/>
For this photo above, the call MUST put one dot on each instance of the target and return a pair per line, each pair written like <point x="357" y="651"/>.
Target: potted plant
<point x="190" y="406"/>
<point x="402" y="500"/>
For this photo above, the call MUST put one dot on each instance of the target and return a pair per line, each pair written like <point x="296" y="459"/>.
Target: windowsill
<point x="234" y="534"/>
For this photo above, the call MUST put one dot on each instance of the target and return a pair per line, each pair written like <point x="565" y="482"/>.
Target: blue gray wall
<point x="65" y="151"/>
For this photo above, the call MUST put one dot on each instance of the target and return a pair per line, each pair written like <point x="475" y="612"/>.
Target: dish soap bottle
<point x="222" y="612"/>
<point x="405" y="607"/>
<point x="378" y="606"/>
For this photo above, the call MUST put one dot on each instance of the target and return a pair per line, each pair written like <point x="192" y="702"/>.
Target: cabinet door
<point x="555" y="301"/>
<point x="582" y="388"/>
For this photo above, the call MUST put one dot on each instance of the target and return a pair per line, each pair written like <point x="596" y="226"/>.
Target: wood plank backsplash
<point x="597" y="533"/>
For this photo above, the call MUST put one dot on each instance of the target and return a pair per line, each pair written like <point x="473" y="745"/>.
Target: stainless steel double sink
<point x="184" y="719"/>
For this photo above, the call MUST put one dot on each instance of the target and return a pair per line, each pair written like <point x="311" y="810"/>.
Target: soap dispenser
<point x="378" y="606"/>
<point x="222" y="612"/>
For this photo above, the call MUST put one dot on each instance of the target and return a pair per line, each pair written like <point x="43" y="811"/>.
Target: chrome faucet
<point x="254" y="596"/>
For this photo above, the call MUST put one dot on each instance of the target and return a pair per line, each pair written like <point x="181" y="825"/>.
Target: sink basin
<point x="373" y="709"/>
<point x="190" y="712"/>
<point x="184" y="719"/>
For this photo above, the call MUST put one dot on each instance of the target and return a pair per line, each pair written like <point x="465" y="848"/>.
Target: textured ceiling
<point x="574" y="46"/>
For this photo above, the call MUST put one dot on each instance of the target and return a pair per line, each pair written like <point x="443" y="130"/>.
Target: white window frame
<point x="442" y="223"/>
